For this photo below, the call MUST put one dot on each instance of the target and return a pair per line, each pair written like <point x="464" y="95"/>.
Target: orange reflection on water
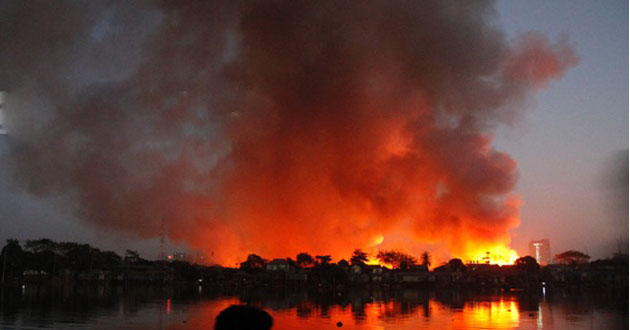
<point x="371" y="315"/>
<point x="499" y="314"/>
<point x="491" y="314"/>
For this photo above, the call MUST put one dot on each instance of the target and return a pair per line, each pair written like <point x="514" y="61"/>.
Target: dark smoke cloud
<point x="272" y="126"/>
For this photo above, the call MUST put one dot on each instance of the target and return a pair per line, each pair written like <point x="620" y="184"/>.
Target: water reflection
<point x="164" y="308"/>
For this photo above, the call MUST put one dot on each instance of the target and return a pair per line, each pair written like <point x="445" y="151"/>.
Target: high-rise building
<point x="541" y="250"/>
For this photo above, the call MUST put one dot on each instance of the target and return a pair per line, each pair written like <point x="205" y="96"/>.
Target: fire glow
<point x="497" y="255"/>
<point x="284" y="127"/>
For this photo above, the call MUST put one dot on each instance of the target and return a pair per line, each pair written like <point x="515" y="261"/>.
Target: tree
<point x="41" y="245"/>
<point x="323" y="260"/>
<point x="343" y="263"/>
<point x="426" y="259"/>
<point x="13" y="262"/>
<point x="13" y="246"/>
<point x="108" y="258"/>
<point x="45" y="254"/>
<point x="305" y="260"/>
<point x="359" y="257"/>
<point x="527" y="265"/>
<point x="253" y="262"/>
<point x="572" y="257"/>
<point x="131" y="256"/>
<point x="396" y="259"/>
<point x="456" y="265"/>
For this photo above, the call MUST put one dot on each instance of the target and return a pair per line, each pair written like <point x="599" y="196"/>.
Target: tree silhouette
<point x="108" y="258"/>
<point x="358" y="257"/>
<point x="527" y="265"/>
<point x="13" y="247"/>
<point x="426" y="259"/>
<point x="323" y="260"/>
<point x="456" y="265"/>
<point x="41" y="245"/>
<point x="396" y="259"/>
<point x="572" y="257"/>
<point x="13" y="261"/>
<point x="253" y="262"/>
<point x="131" y="256"/>
<point x="305" y="260"/>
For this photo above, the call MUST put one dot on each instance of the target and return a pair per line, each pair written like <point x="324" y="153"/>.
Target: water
<point x="97" y="307"/>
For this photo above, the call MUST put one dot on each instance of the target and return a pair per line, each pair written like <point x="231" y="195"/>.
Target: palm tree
<point x="426" y="259"/>
<point x="358" y="257"/>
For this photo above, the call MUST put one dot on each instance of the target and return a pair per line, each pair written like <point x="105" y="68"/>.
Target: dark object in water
<point x="339" y="324"/>
<point x="240" y="317"/>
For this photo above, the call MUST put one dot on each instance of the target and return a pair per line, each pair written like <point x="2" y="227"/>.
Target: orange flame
<point x="496" y="255"/>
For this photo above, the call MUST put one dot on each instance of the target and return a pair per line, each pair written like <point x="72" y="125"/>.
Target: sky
<point x="567" y="143"/>
<point x="576" y="131"/>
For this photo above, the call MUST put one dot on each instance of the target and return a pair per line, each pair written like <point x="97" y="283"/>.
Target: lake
<point x="99" y="307"/>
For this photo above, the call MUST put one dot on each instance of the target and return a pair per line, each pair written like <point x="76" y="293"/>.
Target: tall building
<point x="541" y="250"/>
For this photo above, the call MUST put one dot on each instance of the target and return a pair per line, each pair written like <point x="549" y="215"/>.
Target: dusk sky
<point x="576" y="132"/>
<point x="570" y="142"/>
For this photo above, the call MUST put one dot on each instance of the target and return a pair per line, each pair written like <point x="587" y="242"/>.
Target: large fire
<point x="478" y="252"/>
<point x="496" y="255"/>
<point x="277" y="127"/>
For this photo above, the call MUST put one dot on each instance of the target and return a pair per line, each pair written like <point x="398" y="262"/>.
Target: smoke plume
<point x="273" y="127"/>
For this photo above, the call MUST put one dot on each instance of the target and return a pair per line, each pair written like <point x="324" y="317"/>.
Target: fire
<point x="373" y="261"/>
<point x="302" y="139"/>
<point x="496" y="255"/>
<point x="378" y="240"/>
<point x="373" y="251"/>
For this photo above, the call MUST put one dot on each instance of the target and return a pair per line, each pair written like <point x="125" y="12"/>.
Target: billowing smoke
<point x="273" y="127"/>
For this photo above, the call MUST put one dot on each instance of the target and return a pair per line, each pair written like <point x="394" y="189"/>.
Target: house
<point x="278" y="265"/>
<point x="375" y="272"/>
<point x="366" y="273"/>
<point x="485" y="274"/>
